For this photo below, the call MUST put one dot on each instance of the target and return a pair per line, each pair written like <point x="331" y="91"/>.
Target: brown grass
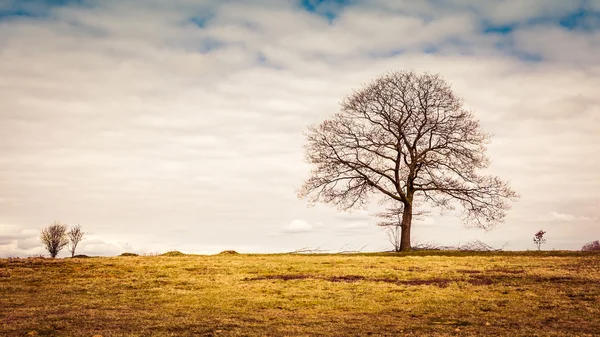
<point x="417" y="294"/>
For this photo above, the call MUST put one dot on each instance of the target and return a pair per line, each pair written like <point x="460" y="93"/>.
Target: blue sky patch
<point x="503" y="29"/>
<point x="582" y="20"/>
<point x="202" y="20"/>
<point x="431" y="50"/>
<point x="328" y="9"/>
<point x="34" y="8"/>
<point x="199" y="21"/>
<point x="14" y="14"/>
<point x="209" y="45"/>
<point x="530" y="57"/>
<point x="386" y="53"/>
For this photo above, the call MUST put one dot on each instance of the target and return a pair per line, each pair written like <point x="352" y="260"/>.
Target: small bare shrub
<point x="593" y="246"/>
<point x="479" y="246"/>
<point x="538" y="239"/>
<point x="54" y="237"/>
<point x="75" y="235"/>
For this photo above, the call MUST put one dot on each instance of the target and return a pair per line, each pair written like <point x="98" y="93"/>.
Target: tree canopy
<point x="405" y="138"/>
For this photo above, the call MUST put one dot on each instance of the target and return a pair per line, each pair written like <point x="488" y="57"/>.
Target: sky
<point x="179" y="125"/>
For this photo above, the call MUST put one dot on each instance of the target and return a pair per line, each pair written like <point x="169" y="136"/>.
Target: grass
<point x="414" y="294"/>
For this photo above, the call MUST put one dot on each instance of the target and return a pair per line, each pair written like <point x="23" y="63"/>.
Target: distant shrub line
<point x="593" y="246"/>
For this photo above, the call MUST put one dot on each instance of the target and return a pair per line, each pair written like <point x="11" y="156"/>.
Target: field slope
<point x="416" y="294"/>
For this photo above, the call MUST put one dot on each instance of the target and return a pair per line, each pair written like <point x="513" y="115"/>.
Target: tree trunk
<point x="406" y="223"/>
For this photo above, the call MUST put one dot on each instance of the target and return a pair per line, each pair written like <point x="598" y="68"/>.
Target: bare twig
<point x="306" y="250"/>
<point x="351" y="251"/>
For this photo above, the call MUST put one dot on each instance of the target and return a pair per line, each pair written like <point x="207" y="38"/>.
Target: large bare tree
<point x="406" y="138"/>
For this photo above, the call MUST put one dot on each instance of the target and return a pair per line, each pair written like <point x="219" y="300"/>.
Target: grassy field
<point x="415" y="294"/>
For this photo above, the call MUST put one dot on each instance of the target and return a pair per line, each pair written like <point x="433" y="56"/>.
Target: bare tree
<point x="406" y="138"/>
<point x="538" y="239"/>
<point x="54" y="237"/>
<point x="75" y="235"/>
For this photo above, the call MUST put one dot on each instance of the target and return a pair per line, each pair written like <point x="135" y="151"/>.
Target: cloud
<point x="427" y="221"/>
<point x="15" y="241"/>
<point x="297" y="226"/>
<point x="134" y="118"/>
<point x="349" y="228"/>
<point x="559" y="44"/>
<point x="565" y="217"/>
<point x="354" y="216"/>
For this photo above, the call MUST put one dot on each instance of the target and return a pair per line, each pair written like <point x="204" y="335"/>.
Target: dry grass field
<point x="415" y="294"/>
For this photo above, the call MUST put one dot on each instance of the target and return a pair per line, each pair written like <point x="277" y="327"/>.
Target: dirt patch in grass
<point x="477" y="280"/>
<point x="468" y="271"/>
<point x="280" y="277"/>
<point x="481" y="281"/>
<point x="554" y="279"/>
<point x="415" y="269"/>
<point x="439" y="282"/>
<point x="505" y="271"/>
<point x="354" y="278"/>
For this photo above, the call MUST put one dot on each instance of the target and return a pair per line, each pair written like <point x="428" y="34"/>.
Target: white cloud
<point x="15" y="241"/>
<point x="354" y="227"/>
<point x="427" y="221"/>
<point x="565" y="217"/>
<point x="127" y="118"/>
<point x="557" y="44"/>
<point x="297" y="226"/>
